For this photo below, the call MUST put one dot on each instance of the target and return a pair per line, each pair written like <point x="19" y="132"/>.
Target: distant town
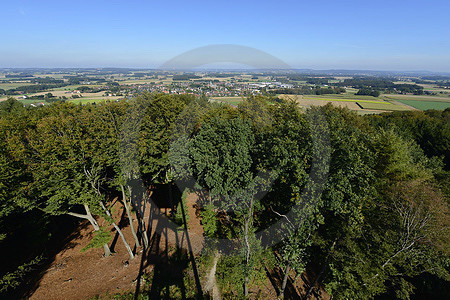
<point x="362" y="91"/>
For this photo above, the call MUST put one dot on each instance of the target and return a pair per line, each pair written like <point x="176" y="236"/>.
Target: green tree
<point x="70" y="166"/>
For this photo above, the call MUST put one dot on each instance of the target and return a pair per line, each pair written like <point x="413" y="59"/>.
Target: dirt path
<point x="195" y="229"/>
<point x="211" y="283"/>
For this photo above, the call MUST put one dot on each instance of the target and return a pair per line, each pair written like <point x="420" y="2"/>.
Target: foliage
<point x="14" y="279"/>
<point x="209" y="220"/>
<point x="368" y="92"/>
<point x="368" y="195"/>
<point x="100" y="238"/>
<point x="181" y="213"/>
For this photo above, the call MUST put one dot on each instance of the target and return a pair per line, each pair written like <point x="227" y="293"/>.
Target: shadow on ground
<point x="172" y="267"/>
<point x="39" y="238"/>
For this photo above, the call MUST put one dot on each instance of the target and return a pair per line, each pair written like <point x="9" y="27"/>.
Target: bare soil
<point x="83" y="275"/>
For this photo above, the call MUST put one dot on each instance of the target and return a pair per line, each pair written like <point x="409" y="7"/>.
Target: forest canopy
<point x="378" y="225"/>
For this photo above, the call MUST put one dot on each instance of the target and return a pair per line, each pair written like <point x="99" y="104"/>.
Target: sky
<point x="366" y="35"/>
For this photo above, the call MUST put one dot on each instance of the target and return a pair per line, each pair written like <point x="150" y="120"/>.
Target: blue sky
<point x="376" y="35"/>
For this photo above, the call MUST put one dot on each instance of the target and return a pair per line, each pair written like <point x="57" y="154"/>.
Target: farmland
<point x="351" y="92"/>
<point x="424" y="105"/>
<point x="230" y="100"/>
<point x="381" y="106"/>
<point x="12" y="85"/>
<point x="360" y="104"/>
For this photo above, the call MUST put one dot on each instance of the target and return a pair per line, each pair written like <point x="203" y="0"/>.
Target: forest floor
<point x="84" y="275"/>
<point x="74" y="274"/>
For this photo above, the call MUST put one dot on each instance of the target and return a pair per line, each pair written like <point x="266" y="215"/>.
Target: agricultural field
<point x="434" y="88"/>
<point x="75" y="87"/>
<point x="30" y="101"/>
<point x="349" y="95"/>
<point x="230" y="100"/>
<point x="386" y="102"/>
<point x="424" y="105"/>
<point x="421" y="102"/>
<point x="386" y="106"/>
<point x="223" y="79"/>
<point x="85" y="97"/>
<point x="360" y="104"/>
<point x="145" y="81"/>
<point x="13" y="85"/>
<point x="416" y="97"/>
<point x="92" y="100"/>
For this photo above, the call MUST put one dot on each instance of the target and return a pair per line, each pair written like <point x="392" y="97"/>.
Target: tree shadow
<point x="123" y="222"/>
<point x="276" y="278"/>
<point x="169" y="272"/>
<point x="63" y="230"/>
<point x="169" y="266"/>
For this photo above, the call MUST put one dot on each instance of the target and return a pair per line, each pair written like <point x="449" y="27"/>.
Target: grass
<point x="424" y="105"/>
<point x="349" y="96"/>
<point x="380" y="106"/>
<point x="229" y="100"/>
<point x="145" y="81"/>
<point x="438" y="98"/>
<point x="30" y="101"/>
<point x="8" y="86"/>
<point x="75" y="87"/>
<point x="88" y="100"/>
<point x="347" y="100"/>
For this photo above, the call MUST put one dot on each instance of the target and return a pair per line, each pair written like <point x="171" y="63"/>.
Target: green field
<point x="229" y="100"/>
<point x="145" y="81"/>
<point x="8" y="86"/>
<point x="91" y="100"/>
<point x="30" y="101"/>
<point x="424" y="105"/>
<point x="347" y="96"/>
<point x="380" y="106"/>
<point x="75" y="87"/>
<point x="75" y="101"/>
<point x="442" y="98"/>
<point x="345" y="100"/>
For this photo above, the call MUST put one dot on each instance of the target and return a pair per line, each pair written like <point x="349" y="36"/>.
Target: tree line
<point x="381" y="84"/>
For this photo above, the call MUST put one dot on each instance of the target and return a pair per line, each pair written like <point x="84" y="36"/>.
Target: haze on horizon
<point x="382" y="35"/>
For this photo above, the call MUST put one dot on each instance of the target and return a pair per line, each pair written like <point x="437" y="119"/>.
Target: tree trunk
<point x="143" y="231"/>
<point x="127" y="246"/>
<point x="313" y="285"/>
<point x="94" y="224"/>
<point x="247" y="245"/>
<point x="140" y="217"/>
<point x="130" y="218"/>
<point x="106" y="250"/>
<point x="311" y="288"/>
<point x="285" y="278"/>
<point x="247" y="258"/>
<point x="246" y="286"/>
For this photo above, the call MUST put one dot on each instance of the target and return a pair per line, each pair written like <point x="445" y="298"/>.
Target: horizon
<point x="239" y="70"/>
<point x="324" y="35"/>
